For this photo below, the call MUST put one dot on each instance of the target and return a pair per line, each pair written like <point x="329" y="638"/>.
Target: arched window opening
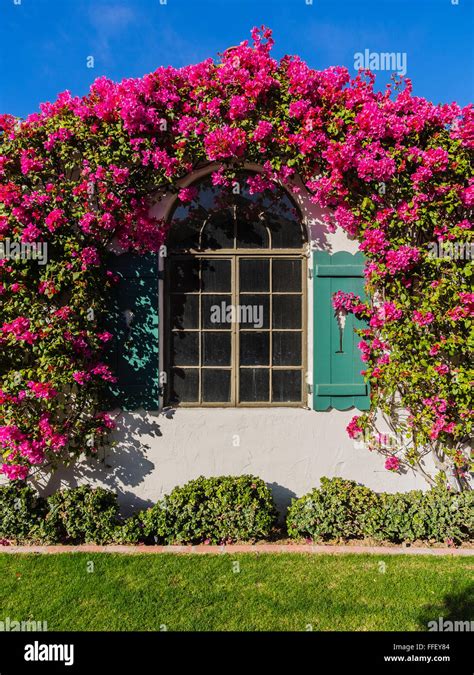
<point x="236" y="298"/>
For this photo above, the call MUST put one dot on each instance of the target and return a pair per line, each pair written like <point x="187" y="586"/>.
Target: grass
<point x="203" y="593"/>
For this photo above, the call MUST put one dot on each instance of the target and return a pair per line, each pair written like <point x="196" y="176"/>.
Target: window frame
<point x="235" y="255"/>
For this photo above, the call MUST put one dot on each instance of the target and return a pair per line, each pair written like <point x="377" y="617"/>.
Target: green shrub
<point x="216" y="510"/>
<point x="448" y="515"/>
<point x="227" y="509"/>
<point x="396" y="517"/>
<point x="22" y="512"/>
<point x="437" y="515"/>
<point x="82" y="515"/>
<point x="132" y="530"/>
<point x="333" y="511"/>
<point x="342" y="509"/>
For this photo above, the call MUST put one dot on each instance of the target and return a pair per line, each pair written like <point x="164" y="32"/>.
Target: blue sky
<point x="44" y="44"/>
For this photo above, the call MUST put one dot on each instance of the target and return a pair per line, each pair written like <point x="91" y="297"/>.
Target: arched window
<point x="236" y="299"/>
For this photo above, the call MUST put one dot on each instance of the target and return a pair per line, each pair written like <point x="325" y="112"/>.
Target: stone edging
<point x="242" y="548"/>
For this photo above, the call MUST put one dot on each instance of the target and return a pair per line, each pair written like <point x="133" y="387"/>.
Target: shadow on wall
<point x="282" y="497"/>
<point x="114" y="468"/>
<point x="127" y="466"/>
<point x="458" y="605"/>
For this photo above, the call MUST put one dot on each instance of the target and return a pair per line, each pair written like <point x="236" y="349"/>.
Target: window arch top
<point x="226" y="218"/>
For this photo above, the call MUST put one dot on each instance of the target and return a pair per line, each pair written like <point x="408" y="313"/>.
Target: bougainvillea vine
<point x="392" y="170"/>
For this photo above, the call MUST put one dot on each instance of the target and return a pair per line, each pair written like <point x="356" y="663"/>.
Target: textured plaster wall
<point x="289" y="448"/>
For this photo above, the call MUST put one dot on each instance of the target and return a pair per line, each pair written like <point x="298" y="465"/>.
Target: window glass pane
<point x="210" y="196"/>
<point x="254" y="348"/>
<point x="184" y="311"/>
<point x="216" y="311"/>
<point x="216" y="348"/>
<point x="286" y="386"/>
<point x="186" y="227"/>
<point x="254" y="275"/>
<point x="286" y="275"/>
<point x="254" y="311"/>
<point x="252" y="234"/>
<point x="185" y="348"/>
<point x="184" y="275"/>
<point x="285" y="235"/>
<point x="216" y="386"/>
<point x="286" y="348"/>
<point x="286" y="311"/>
<point x="254" y="384"/>
<point x="184" y="385"/>
<point x="284" y="222"/>
<point x="216" y="275"/>
<point x="219" y="231"/>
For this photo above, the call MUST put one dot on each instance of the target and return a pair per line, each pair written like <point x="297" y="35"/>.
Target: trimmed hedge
<point x="22" y="513"/>
<point x="235" y="508"/>
<point x="334" y="511"/>
<point x="216" y="510"/>
<point x="82" y="515"/>
<point x="343" y="509"/>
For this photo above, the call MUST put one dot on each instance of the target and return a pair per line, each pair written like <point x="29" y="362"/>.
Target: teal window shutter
<point x="133" y="321"/>
<point x="337" y="382"/>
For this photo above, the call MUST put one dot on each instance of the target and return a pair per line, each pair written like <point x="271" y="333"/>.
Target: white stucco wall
<point x="291" y="449"/>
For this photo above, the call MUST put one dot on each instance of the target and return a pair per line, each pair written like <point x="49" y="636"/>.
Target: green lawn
<point x="270" y="592"/>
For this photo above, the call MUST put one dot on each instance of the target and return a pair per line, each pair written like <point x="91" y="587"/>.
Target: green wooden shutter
<point x="134" y="352"/>
<point x="337" y="379"/>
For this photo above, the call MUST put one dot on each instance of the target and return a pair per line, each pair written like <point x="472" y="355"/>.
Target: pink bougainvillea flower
<point x="89" y="257"/>
<point x="188" y="194"/>
<point x="423" y="319"/>
<point x="103" y="372"/>
<point x="106" y="420"/>
<point x="225" y="142"/>
<point x="434" y="349"/>
<point x="374" y="241"/>
<point x="105" y="336"/>
<point x="19" y="328"/>
<point x="30" y="233"/>
<point x="392" y="463"/>
<point x="348" y="302"/>
<point x="54" y="220"/>
<point x="262" y="131"/>
<point x="30" y="162"/>
<point x="457" y="313"/>
<point x="63" y="313"/>
<point x="402" y="259"/>
<point x="14" y="471"/>
<point x="42" y="389"/>
<point x="386" y="313"/>
<point x="259" y="183"/>
<point x="353" y="428"/>
<point x="365" y="350"/>
<point x="81" y="377"/>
